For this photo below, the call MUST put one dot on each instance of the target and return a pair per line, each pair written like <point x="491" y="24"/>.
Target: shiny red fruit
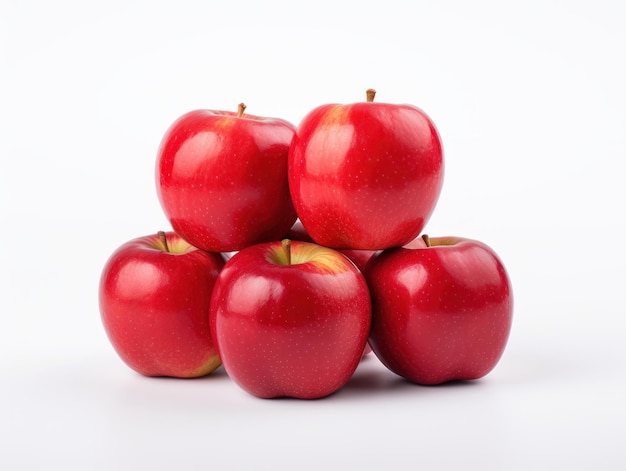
<point x="154" y="296"/>
<point x="441" y="312"/>
<point x="221" y="179"/>
<point x="290" y="319"/>
<point x="365" y="175"/>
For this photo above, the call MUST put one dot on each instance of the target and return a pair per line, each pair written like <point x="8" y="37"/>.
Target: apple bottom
<point x="171" y="348"/>
<point x="433" y="350"/>
<point x="277" y="362"/>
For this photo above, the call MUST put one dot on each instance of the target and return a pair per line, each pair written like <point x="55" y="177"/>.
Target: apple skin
<point x="290" y="329"/>
<point x="441" y="312"/>
<point x="365" y="175"/>
<point x="154" y="306"/>
<point x="222" y="179"/>
<point x="358" y="257"/>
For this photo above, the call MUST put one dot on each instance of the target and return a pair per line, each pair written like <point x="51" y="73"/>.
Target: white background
<point x="530" y="102"/>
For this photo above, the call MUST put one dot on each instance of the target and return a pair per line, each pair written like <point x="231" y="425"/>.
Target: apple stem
<point x="426" y="239"/>
<point x="163" y="239"/>
<point x="286" y="243"/>
<point x="240" y="109"/>
<point x="370" y="93"/>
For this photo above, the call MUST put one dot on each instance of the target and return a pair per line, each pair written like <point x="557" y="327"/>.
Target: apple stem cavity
<point x="240" y="109"/>
<point x="370" y="93"/>
<point x="286" y="243"/>
<point x="426" y="239"/>
<point x="163" y="240"/>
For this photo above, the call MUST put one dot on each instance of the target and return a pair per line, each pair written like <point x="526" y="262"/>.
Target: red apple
<point x="154" y="295"/>
<point x="365" y="175"/>
<point x="222" y="179"/>
<point x="290" y="319"/>
<point x="441" y="310"/>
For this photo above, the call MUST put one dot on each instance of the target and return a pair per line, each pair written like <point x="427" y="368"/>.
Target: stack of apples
<point x="296" y="251"/>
